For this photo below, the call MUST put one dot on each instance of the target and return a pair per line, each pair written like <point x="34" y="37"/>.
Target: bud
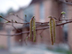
<point x="1" y="16"/>
<point x="63" y="12"/>
<point x="7" y="21"/>
<point x="25" y="15"/>
<point x="33" y="16"/>
<point x="15" y="21"/>
<point x="50" y="17"/>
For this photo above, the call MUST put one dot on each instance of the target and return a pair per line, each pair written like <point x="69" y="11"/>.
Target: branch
<point x="42" y="28"/>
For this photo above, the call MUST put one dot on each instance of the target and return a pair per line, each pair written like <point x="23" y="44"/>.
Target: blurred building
<point x="41" y="9"/>
<point x="69" y="14"/>
<point x="6" y="41"/>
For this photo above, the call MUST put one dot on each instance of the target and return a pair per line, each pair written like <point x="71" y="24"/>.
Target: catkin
<point x="34" y="30"/>
<point x="51" y="33"/>
<point x="54" y="28"/>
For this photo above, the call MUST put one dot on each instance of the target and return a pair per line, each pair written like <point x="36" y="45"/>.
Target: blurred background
<point x="12" y="37"/>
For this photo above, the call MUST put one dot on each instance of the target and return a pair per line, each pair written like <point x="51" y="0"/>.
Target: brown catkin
<point x="51" y="33"/>
<point x="54" y="28"/>
<point x="34" y="30"/>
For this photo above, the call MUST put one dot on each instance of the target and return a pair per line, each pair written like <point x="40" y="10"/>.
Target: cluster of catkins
<point x="52" y="29"/>
<point x="52" y="25"/>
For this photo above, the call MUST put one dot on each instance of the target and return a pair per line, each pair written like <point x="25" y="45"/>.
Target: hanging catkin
<point x="34" y="30"/>
<point x="52" y="30"/>
<point x="51" y="33"/>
